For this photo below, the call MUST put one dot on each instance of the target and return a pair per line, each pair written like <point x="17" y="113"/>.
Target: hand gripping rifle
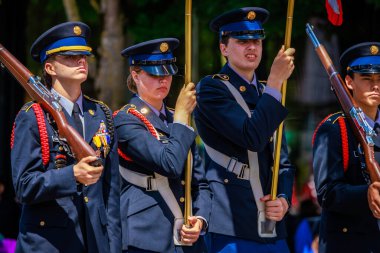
<point x="361" y="128"/>
<point x="50" y="103"/>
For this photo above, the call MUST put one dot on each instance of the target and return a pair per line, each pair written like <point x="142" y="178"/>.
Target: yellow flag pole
<point x="277" y="151"/>
<point x="188" y="169"/>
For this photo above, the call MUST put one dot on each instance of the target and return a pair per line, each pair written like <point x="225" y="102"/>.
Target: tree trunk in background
<point x="109" y="81"/>
<point x="71" y="9"/>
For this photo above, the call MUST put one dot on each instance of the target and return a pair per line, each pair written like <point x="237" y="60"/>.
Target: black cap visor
<point x="160" y="70"/>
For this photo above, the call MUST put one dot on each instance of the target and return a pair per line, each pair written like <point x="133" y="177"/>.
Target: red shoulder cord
<point x="344" y="137"/>
<point x="13" y="134"/>
<point x="317" y="128"/>
<point x="146" y="122"/>
<point x="45" y="150"/>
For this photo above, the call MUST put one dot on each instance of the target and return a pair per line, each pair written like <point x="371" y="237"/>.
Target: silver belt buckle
<point x="232" y="163"/>
<point x="242" y="171"/>
<point x="149" y="184"/>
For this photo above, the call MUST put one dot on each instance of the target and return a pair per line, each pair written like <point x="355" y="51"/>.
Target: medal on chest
<point x="102" y="140"/>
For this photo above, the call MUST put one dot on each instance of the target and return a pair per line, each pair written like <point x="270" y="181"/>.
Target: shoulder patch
<point x="223" y="77"/>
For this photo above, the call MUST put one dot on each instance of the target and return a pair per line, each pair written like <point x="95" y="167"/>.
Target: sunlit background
<point x="117" y="24"/>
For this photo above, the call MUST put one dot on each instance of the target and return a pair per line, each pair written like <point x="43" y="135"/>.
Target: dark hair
<point x="46" y="78"/>
<point x="130" y="82"/>
<point x="351" y="74"/>
<point x="224" y="40"/>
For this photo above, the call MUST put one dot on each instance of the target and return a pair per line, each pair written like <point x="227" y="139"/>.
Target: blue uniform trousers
<point x="137" y="250"/>
<point x="218" y="243"/>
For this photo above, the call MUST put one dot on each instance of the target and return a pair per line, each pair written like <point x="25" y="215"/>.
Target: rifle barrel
<point x="355" y="115"/>
<point x="42" y="95"/>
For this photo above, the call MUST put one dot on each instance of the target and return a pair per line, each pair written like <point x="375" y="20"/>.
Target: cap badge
<point x="374" y="50"/>
<point x="77" y="31"/>
<point x="251" y="15"/>
<point x="164" y="47"/>
<point x="242" y="88"/>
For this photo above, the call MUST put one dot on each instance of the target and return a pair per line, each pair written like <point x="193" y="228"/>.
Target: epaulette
<point x="172" y="110"/>
<point x="223" y="77"/>
<point x="332" y="119"/>
<point x="96" y="101"/>
<point x="27" y="106"/>
<point x="262" y="84"/>
<point x="107" y="112"/>
<point x="131" y="109"/>
<point x="125" y="108"/>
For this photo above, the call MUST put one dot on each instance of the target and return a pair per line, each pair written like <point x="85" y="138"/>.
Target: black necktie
<point x="78" y="123"/>
<point x="162" y="117"/>
<point x="376" y="128"/>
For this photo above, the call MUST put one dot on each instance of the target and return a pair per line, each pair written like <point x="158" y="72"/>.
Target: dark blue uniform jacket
<point x="226" y="127"/>
<point x="347" y="224"/>
<point x="147" y="222"/>
<point x="49" y="220"/>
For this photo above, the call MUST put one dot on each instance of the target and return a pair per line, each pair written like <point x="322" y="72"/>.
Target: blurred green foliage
<point x="150" y="19"/>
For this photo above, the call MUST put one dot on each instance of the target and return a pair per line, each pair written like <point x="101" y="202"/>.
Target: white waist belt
<point x="241" y="170"/>
<point x="161" y="184"/>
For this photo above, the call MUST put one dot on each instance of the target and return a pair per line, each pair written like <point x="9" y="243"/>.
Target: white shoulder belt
<point x="243" y="171"/>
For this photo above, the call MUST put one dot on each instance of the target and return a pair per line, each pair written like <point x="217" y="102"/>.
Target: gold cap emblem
<point x="374" y="50"/>
<point x="77" y="31"/>
<point x="91" y="112"/>
<point x="242" y="88"/>
<point x="251" y="15"/>
<point x="164" y="47"/>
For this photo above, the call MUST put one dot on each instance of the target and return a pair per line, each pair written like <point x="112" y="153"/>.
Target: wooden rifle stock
<point x="360" y="127"/>
<point x="49" y="102"/>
